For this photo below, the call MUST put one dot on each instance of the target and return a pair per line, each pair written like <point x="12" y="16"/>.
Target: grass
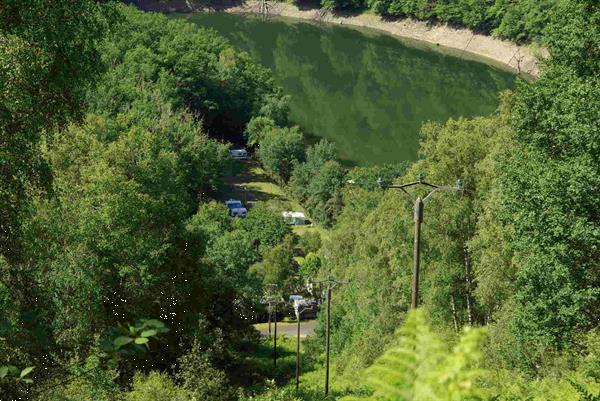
<point x="263" y="326"/>
<point x="301" y="230"/>
<point x="249" y="183"/>
<point x="278" y="383"/>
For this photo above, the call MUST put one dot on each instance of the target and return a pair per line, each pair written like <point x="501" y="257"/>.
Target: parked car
<point x="309" y="309"/>
<point x="240" y="154"/>
<point x="236" y="208"/>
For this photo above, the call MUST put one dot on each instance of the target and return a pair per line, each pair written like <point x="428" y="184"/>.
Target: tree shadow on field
<point x="246" y="181"/>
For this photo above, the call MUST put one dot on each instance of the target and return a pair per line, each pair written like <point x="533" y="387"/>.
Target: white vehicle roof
<point x="293" y="214"/>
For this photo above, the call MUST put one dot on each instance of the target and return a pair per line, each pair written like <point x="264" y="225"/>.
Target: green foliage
<point x="310" y="266"/>
<point x="371" y="244"/>
<point x="266" y="225"/>
<point x="420" y="368"/>
<point x="257" y="128"/>
<point x="199" y="67"/>
<point x="201" y="379"/>
<point x="127" y="228"/>
<point x="90" y="380"/>
<point x="342" y="4"/>
<point x="279" y="150"/>
<point x="276" y="108"/>
<point x="520" y="20"/>
<point x="156" y="387"/>
<point x="310" y="241"/>
<point x="318" y="183"/>
<point x="549" y="182"/>
<point x="45" y="72"/>
<point x="109" y="218"/>
<point x="11" y="372"/>
<point x="135" y="336"/>
<point x="278" y="266"/>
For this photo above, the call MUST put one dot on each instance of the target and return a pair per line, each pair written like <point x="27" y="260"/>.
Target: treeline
<point x="116" y="264"/>
<point x="520" y="20"/>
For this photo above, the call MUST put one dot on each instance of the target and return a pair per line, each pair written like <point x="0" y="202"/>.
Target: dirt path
<point x="460" y="42"/>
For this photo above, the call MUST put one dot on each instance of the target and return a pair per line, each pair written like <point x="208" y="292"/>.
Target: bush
<point x="318" y="183"/>
<point x="266" y="225"/>
<point x="156" y="387"/>
<point x="310" y="242"/>
<point x="201" y="379"/>
<point x="279" y="150"/>
<point x="257" y="128"/>
<point x="278" y="266"/>
<point x="309" y="268"/>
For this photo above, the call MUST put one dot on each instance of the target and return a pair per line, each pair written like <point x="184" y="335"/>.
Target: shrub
<point x="279" y="150"/>
<point x="419" y="368"/>
<point x="257" y="128"/>
<point x="201" y="379"/>
<point x="310" y="242"/>
<point x="156" y="386"/>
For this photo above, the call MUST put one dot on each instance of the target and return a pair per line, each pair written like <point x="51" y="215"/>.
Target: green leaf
<point x="26" y="371"/>
<point x="122" y="340"/>
<point x="141" y="340"/>
<point x="3" y="371"/>
<point x="28" y="381"/>
<point x="149" y="333"/>
<point x="154" y="323"/>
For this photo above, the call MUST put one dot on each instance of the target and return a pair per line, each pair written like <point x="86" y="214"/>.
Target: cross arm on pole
<point x="444" y="188"/>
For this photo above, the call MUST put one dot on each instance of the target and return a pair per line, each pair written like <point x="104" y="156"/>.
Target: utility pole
<point x="298" y="352"/>
<point x="297" y="305"/>
<point x="269" y="313"/>
<point x="418" y="208"/>
<point x="275" y="340"/>
<point x="331" y="284"/>
<point x="327" y="339"/>
<point x="271" y="299"/>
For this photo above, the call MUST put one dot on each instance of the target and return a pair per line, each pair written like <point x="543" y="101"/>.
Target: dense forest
<point x="517" y="20"/>
<point x="123" y="277"/>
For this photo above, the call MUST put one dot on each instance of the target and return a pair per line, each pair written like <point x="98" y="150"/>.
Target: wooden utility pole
<point x="327" y="339"/>
<point x="269" y="313"/>
<point x="298" y="311"/>
<point x="272" y="300"/>
<point x="275" y="340"/>
<point x="419" y="206"/>
<point x="298" y="352"/>
<point x="418" y="209"/>
<point x="331" y="284"/>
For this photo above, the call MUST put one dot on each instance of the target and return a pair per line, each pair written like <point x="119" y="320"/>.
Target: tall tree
<point x="48" y="57"/>
<point x="550" y="185"/>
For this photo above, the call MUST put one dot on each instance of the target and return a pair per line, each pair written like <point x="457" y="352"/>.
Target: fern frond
<point x="419" y="368"/>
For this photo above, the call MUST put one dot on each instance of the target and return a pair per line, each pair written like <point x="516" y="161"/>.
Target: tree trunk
<point x="468" y="285"/>
<point x="454" y="317"/>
